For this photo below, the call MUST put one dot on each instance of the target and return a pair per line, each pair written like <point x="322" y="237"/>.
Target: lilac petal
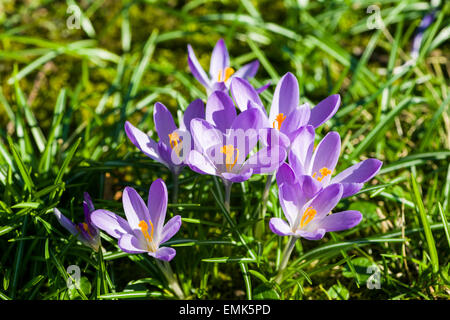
<point x="249" y="119"/>
<point x="65" y="222"/>
<point x="297" y="118"/>
<point x="244" y="132"/>
<point x="326" y="200"/>
<point x="254" y="105"/>
<point x="130" y="244"/>
<point x="196" y="109"/>
<point x="165" y="154"/>
<point x="248" y="70"/>
<point x="237" y="177"/>
<point x="270" y="136"/>
<point x="196" y="68"/>
<point x="292" y="201"/>
<point x="88" y="207"/>
<point x="218" y="86"/>
<point x="88" y="201"/>
<point x="326" y="155"/>
<point x="280" y="227"/>
<point x="264" y="87"/>
<point x="323" y="111"/>
<point x="219" y="60"/>
<point x="170" y="228"/>
<point x="164" y="253"/>
<point x="341" y="220"/>
<point x="301" y="150"/>
<point x="309" y="186"/>
<point x="143" y="142"/>
<point x="200" y="164"/>
<point x="266" y="160"/>
<point x="220" y="110"/>
<point x="205" y="135"/>
<point x="164" y="123"/>
<point x="111" y="223"/>
<point x="360" y="172"/>
<point x="311" y="235"/>
<point x="286" y="96"/>
<point x="351" y="188"/>
<point x="242" y="92"/>
<point x="157" y="205"/>
<point x="285" y="174"/>
<point x="135" y="208"/>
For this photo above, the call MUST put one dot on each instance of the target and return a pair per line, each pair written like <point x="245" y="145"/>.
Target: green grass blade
<point x="426" y="225"/>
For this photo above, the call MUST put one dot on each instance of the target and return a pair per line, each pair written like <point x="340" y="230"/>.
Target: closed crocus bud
<point x="85" y="231"/>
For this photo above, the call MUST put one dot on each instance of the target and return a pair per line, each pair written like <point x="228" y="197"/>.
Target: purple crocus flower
<point x="313" y="167"/>
<point x="175" y="143"/>
<point x="220" y="72"/>
<point x="309" y="218"/>
<point x="417" y="42"/>
<point x="86" y="232"/>
<point x="286" y="115"/>
<point x="224" y="140"/>
<point x="144" y="230"/>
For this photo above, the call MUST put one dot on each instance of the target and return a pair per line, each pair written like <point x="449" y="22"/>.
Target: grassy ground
<point x="66" y="93"/>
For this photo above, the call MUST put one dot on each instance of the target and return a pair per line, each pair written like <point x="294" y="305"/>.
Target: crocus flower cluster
<point x="233" y="138"/>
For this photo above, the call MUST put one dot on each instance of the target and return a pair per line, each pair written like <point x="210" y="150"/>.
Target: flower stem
<point x="286" y="255"/>
<point x="175" y="188"/>
<point x="171" y="279"/>
<point x="101" y="270"/>
<point x="259" y="228"/>
<point x="227" y="200"/>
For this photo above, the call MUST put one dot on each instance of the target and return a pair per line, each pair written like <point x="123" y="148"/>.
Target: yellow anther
<point x="85" y="227"/>
<point x="308" y="215"/>
<point x="227" y="74"/>
<point x="229" y="150"/>
<point x="148" y="236"/>
<point x="324" y="172"/>
<point x="279" y="119"/>
<point x="175" y="142"/>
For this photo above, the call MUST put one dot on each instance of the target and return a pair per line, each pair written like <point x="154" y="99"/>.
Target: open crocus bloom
<point x="220" y="72"/>
<point x="225" y="154"/>
<point x="86" y="232"/>
<point x="224" y="139"/>
<point x="309" y="219"/>
<point x="285" y="113"/>
<point x="144" y="230"/>
<point x="314" y="168"/>
<point x="175" y="143"/>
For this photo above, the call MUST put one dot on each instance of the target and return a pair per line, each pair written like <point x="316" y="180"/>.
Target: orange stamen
<point x="229" y="151"/>
<point x="279" y="119"/>
<point x="228" y="72"/>
<point x="308" y="215"/>
<point x="148" y="236"/>
<point x="175" y="142"/>
<point x="324" y="172"/>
